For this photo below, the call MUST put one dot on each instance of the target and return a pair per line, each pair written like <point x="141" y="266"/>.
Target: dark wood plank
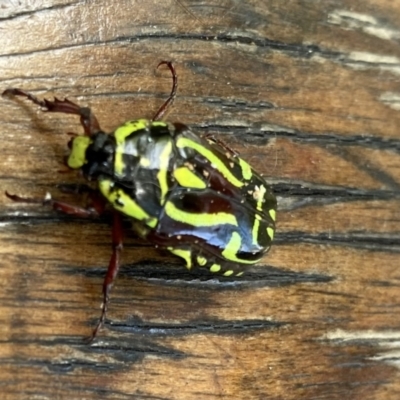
<point x="309" y="93"/>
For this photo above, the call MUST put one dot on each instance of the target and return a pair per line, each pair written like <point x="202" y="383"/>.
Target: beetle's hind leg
<point x="88" y="119"/>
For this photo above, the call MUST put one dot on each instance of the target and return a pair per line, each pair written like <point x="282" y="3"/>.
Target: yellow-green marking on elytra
<point x="200" y="219"/>
<point x="231" y="249"/>
<point x="212" y="158"/>
<point x="246" y="169"/>
<point x="215" y="268"/>
<point x="185" y="254"/>
<point x="186" y="178"/>
<point x="270" y="232"/>
<point x="272" y="214"/>
<point x="201" y="260"/>
<point x="162" y="173"/>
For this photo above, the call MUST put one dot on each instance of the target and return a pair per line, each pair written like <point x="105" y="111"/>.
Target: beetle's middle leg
<point x="113" y="267"/>
<point x="96" y="208"/>
<point x="91" y="211"/>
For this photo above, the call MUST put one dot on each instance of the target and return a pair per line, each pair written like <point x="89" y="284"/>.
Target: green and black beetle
<point x="186" y="193"/>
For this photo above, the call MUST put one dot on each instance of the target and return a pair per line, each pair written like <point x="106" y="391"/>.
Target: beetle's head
<point x="92" y="154"/>
<point x="78" y="146"/>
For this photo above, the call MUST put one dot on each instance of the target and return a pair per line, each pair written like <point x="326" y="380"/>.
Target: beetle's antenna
<point x="168" y="103"/>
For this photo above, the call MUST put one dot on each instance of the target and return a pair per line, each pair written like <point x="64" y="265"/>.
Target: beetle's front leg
<point x="88" y="119"/>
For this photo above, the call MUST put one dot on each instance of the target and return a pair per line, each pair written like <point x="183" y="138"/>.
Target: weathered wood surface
<point x="309" y="92"/>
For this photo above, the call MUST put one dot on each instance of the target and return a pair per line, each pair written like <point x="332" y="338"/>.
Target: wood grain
<point x="309" y="94"/>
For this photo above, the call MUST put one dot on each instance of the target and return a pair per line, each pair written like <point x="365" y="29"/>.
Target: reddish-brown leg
<point x="96" y="208"/>
<point x="90" y="212"/>
<point x="112" y="271"/>
<point x="168" y="103"/>
<point x="94" y="199"/>
<point x="88" y="120"/>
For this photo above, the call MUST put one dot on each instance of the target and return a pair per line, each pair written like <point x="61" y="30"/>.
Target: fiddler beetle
<point x="187" y="193"/>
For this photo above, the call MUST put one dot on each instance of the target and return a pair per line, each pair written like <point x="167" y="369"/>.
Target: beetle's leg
<point x="81" y="188"/>
<point x="88" y="120"/>
<point x="96" y="208"/>
<point x="95" y="201"/>
<point x="168" y="103"/>
<point x="112" y="271"/>
<point x="89" y="212"/>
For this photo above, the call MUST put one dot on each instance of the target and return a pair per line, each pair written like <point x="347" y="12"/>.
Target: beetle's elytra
<point x="183" y="192"/>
